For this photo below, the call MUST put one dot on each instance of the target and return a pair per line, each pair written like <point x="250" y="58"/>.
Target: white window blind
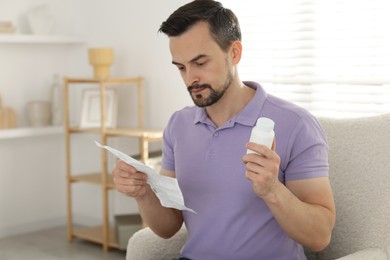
<point x="331" y="57"/>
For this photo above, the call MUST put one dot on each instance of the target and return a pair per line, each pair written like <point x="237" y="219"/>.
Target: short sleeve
<point x="168" y="158"/>
<point x="308" y="151"/>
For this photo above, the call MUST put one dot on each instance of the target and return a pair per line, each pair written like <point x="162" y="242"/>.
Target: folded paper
<point x="166" y="188"/>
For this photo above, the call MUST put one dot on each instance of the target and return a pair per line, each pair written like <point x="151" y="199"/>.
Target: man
<point x="257" y="206"/>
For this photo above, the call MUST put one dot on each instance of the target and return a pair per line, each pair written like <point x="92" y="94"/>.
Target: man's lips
<point x="196" y="89"/>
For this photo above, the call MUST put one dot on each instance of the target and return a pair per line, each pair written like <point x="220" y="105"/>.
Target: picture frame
<point x="90" y="108"/>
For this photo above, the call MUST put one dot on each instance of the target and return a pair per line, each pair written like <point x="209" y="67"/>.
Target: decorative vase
<point x="101" y="59"/>
<point x="38" y="113"/>
<point x="57" y="101"/>
<point x="40" y="20"/>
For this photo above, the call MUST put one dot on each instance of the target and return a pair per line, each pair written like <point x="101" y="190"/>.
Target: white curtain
<point x="331" y="57"/>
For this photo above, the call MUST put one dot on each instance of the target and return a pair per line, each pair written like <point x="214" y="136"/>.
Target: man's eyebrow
<point x="176" y="63"/>
<point x="192" y="60"/>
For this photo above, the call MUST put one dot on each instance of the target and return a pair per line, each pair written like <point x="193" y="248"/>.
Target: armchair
<point x="359" y="157"/>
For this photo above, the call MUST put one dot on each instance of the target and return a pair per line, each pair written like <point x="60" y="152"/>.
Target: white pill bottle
<point x="262" y="133"/>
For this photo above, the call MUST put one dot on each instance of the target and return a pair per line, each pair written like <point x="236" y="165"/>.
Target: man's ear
<point x="236" y="51"/>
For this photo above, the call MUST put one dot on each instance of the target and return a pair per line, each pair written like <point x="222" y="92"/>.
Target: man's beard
<point x="214" y="96"/>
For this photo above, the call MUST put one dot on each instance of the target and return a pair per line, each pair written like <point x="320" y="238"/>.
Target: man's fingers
<point x="260" y="149"/>
<point x="123" y="166"/>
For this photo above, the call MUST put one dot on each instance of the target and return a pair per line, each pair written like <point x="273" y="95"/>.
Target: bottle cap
<point x="265" y="123"/>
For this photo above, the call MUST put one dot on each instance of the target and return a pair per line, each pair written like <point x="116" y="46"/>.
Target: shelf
<point x="95" y="234"/>
<point x="93" y="178"/>
<point x="109" y="81"/>
<point x="30" y="38"/>
<point x="150" y="134"/>
<point x="24" y="132"/>
<point x="96" y="178"/>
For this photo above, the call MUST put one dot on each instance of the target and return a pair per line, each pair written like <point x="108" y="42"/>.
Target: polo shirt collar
<point x="252" y="111"/>
<point x="248" y="116"/>
<point x="200" y="115"/>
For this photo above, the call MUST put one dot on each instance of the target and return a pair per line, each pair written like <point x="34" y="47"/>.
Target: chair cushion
<point x="146" y="245"/>
<point x="359" y="157"/>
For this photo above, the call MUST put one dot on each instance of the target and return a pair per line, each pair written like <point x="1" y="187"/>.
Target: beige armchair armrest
<point x="146" y="245"/>
<point x="367" y="254"/>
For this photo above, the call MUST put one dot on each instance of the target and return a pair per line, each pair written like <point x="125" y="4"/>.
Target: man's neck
<point x="236" y="97"/>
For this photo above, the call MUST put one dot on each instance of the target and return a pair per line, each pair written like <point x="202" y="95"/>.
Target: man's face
<point x="204" y="67"/>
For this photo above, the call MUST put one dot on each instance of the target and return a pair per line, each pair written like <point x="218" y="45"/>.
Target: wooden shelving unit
<point x="103" y="234"/>
<point x="95" y="234"/>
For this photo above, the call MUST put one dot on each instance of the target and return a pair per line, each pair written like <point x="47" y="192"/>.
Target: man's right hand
<point x="128" y="181"/>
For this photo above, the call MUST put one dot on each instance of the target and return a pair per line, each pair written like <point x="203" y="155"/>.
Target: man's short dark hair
<point x="223" y="23"/>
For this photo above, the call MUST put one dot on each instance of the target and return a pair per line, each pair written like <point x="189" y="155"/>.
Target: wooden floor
<point x="52" y="244"/>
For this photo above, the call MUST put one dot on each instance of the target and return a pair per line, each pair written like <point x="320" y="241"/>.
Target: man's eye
<point x="180" y="68"/>
<point x="201" y="63"/>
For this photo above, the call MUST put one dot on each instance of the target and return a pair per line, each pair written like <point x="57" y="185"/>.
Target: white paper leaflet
<point x="166" y="188"/>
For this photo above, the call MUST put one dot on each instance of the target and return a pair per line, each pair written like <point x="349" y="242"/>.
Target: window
<point x="331" y="57"/>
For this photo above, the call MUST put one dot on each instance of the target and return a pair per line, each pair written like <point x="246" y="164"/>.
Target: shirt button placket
<point x="211" y="148"/>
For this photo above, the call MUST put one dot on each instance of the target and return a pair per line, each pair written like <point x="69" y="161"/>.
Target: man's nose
<point x="191" y="78"/>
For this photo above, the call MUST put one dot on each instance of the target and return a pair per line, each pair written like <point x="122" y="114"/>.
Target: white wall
<point x="32" y="171"/>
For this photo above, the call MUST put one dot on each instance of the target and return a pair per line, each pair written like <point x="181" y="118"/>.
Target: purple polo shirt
<point x="232" y="221"/>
